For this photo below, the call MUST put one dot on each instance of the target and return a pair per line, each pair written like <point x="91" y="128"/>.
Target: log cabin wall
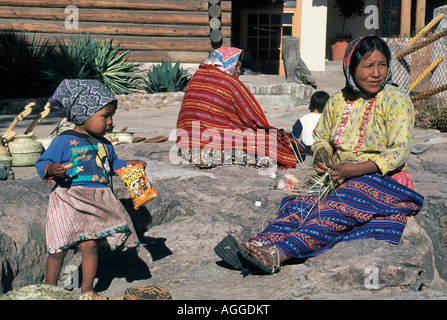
<point x="155" y="30"/>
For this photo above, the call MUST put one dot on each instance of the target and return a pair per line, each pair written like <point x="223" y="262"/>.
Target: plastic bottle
<point x="282" y="183"/>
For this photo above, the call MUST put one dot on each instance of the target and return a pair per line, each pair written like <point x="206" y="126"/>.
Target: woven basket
<point x="152" y="292"/>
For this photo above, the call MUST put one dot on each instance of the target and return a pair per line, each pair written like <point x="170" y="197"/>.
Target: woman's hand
<point x="319" y="167"/>
<point x="321" y="160"/>
<point x="344" y="171"/>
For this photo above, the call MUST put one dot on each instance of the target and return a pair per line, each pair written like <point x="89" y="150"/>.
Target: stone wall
<point x="15" y="106"/>
<point x="125" y="102"/>
<point x="294" y="93"/>
<point x="147" y="101"/>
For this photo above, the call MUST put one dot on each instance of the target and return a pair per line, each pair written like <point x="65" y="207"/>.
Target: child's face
<point x="99" y="123"/>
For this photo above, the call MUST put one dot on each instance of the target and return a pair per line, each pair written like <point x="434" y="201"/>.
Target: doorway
<point x="261" y="32"/>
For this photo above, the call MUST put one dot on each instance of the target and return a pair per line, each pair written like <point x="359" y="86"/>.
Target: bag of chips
<point x="139" y="186"/>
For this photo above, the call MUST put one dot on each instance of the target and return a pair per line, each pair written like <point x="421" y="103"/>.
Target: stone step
<point x="287" y="92"/>
<point x="332" y="68"/>
<point x="331" y="63"/>
<point x="283" y="101"/>
<point x="327" y="73"/>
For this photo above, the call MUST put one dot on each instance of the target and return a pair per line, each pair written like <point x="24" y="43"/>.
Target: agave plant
<point x="21" y="66"/>
<point x="166" y="78"/>
<point x="84" y="57"/>
<point x="69" y="60"/>
<point x="113" y="68"/>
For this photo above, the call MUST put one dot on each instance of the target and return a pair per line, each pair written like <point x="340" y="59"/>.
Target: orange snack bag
<point x="139" y="186"/>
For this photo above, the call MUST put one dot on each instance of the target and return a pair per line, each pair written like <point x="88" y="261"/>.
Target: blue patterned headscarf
<point x="81" y="98"/>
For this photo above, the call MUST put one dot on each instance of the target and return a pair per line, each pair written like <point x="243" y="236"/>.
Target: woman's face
<point x="237" y="70"/>
<point x="371" y="72"/>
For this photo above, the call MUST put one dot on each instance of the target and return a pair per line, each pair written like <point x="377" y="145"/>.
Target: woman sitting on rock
<point x="220" y="121"/>
<point x="363" y="139"/>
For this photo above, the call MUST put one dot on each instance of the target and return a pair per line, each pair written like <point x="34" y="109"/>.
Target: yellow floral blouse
<point x="379" y="130"/>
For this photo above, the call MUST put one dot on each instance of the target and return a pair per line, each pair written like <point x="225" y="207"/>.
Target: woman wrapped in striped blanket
<point x="363" y="142"/>
<point x="221" y="122"/>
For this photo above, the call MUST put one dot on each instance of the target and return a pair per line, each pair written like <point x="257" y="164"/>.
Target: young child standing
<point x="82" y="207"/>
<point x="304" y="126"/>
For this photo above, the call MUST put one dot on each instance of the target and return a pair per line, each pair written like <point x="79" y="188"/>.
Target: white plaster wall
<point x="313" y="34"/>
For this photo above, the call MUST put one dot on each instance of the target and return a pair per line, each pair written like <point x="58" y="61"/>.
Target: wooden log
<point x="163" y="43"/>
<point x="426" y="29"/>
<point x="429" y="93"/>
<point x="215" y="23"/>
<point x="225" y="5"/>
<point x="38" y="118"/>
<point x="140" y="42"/>
<point x="405" y="18"/>
<point x="422" y="44"/>
<point x="174" y="56"/>
<point x="181" y="5"/>
<point x="28" y="109"/>
<point x="107" y="15"/>
<point x="216" y="36"/>
<point x="425" y="73"/>
<point x="109" y="29"/>
<point x="420" y="14"/>
<point x="215" y="11"/>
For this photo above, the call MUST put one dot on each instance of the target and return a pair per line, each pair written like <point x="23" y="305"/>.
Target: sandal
<point x="230" y="250"/>
<point x="256" y="264"/>
<point x="91" y="295"/>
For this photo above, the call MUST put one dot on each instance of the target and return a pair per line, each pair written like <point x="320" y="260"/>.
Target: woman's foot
<point x="270" y="256"/>
<point x="230" y="250"/>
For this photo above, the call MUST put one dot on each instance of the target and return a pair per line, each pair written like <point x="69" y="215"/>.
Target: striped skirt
<point x="78" y="214"/>
<point x="364" y="207"/>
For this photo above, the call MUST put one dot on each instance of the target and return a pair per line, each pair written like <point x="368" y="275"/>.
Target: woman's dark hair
<point x="366" y="46"/>
<point x="318" y="101"/>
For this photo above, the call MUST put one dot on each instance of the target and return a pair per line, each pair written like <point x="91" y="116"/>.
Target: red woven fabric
<point x="218" y="111"/>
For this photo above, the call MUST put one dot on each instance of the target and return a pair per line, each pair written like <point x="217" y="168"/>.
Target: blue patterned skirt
<point x="370" y="206"/>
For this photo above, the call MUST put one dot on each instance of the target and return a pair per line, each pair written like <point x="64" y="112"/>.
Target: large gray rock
<point x="38" y="292"/>
<point x="196" y="208"/>
<point x="22" y="235"/>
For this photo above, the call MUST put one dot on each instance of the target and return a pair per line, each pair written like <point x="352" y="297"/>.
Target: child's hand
<point x="56" y="170"/>
<point x="132" y="162"/>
